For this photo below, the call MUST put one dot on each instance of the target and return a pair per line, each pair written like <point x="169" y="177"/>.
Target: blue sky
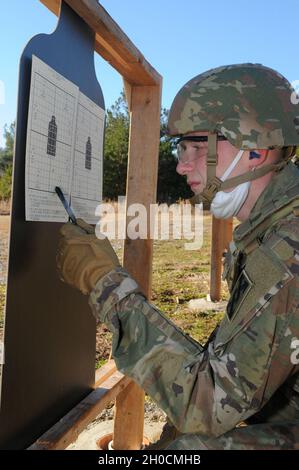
<point x="179" y="38"/>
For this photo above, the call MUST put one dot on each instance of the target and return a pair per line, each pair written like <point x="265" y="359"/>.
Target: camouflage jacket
<point x="249" y="369"/>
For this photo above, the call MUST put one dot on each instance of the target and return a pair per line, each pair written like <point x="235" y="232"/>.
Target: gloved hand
<point x="82" y="258"/>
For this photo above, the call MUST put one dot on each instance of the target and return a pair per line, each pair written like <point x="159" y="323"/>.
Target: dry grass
<point x="179" y="276"/>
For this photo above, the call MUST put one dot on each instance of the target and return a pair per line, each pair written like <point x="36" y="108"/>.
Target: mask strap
<point x="232" y="165"/>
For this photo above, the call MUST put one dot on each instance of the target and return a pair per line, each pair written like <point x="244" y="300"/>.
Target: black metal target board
<point x="49" y="341"/>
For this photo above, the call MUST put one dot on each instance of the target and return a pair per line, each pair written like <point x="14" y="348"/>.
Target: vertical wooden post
<point x="218" y="237"/>
<point x="221" y="236"/>
<point x="228" y="231"/>
<point x="144" y="103"/>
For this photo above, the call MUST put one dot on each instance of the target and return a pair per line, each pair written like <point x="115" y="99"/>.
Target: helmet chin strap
<point x="215" y="184"/>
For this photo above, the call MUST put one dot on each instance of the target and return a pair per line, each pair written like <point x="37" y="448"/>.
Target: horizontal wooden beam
<point x="104" y="372"/>
<point x="68" y="428"/>
<point x="111" y="42"/>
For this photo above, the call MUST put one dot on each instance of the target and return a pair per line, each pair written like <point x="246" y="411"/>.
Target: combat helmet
<point x="252" y="106"/>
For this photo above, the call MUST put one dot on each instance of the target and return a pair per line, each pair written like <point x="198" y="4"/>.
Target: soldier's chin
<point x="196" y="188"/>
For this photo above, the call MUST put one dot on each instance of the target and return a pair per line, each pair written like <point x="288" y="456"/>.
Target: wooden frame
<point x="143" y="90"/>
<point x="111" y="42"/>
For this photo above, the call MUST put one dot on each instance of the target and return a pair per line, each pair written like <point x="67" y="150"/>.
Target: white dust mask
<point x="226" y="205"/>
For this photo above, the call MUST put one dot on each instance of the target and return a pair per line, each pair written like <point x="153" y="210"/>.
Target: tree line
<point x="6" y="158"/>
<point x="171" y="186"/>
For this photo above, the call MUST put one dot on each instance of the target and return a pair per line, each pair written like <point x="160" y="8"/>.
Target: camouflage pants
<point x="266" y="436"/>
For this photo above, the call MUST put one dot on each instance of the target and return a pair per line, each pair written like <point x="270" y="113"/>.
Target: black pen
<point x="66" y="205"/>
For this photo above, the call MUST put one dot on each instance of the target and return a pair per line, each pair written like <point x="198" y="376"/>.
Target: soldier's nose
<point x="183" y="168"/>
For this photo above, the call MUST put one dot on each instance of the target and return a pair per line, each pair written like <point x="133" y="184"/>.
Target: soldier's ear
<point x="257" y="157"/>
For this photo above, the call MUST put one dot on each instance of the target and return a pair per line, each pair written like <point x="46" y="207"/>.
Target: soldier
<point x="237" y="126"/>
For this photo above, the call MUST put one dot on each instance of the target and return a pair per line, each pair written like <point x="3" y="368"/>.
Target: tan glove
<point x="82" y="258"/>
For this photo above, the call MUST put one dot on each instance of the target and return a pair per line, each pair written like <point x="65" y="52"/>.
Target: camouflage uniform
<point x="249" y="369"/>
<point x="248" y="372"/>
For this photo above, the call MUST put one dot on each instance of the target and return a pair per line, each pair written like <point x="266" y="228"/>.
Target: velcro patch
<point x="238" y="294"/>
<point x="283" y="250"/>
